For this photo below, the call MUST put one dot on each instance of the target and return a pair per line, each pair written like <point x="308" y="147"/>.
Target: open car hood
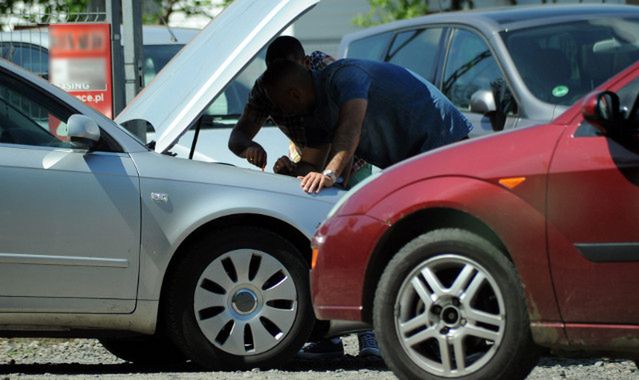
<point x="175" y="99"/>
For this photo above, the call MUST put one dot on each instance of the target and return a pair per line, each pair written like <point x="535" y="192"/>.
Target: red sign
<point x="80" y="63"/>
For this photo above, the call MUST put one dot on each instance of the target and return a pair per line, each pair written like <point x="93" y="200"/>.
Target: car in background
<point x="469" y="258"/>
<point x="29" y="48"/>
<point x="161" y="258"/>
<point x="509" y="67"/>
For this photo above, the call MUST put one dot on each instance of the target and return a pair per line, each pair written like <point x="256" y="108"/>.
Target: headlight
<point x="350" y="193"/>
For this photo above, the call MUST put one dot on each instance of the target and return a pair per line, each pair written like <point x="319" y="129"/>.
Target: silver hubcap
<point x="245" y="302"/>
<point x="450" y="316"/>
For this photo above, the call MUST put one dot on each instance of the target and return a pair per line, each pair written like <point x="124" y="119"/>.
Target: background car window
<point x="27" y="118"/>
<point x="416" y="50"/>
<point x="581" y="55"/>
<point x="228" y="106"/>
<point x="32" y="57"/>
<point x="156" y="57"/>
<point x="470" y="66"/>
<point x="372" y="47"/>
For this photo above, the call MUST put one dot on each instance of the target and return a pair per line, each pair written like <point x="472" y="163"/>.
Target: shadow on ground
<point x="346" y="363"/>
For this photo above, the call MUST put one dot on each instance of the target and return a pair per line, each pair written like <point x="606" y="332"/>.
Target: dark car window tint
<point x="156" y="57"/>
<point x="372" y="47"/>
<point x="562" y="63"/>
<point x="28" y="118"/>
<point x="470" y="67"/>
<point x="416" y="50"/>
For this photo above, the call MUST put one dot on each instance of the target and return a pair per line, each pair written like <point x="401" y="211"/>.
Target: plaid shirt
<point x="291" y="125"/>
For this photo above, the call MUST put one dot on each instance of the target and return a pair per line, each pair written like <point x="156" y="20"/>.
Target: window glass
<point x="416" y="50"/>
<point x="372" y="47"/>
<point x="562" y="63"/>
<point x="32" y="57"/>
<point x="471" y="67"/>
<point x="156" y="57"/>
<point x="27" y="118"/>
<point x="228" y="106"/>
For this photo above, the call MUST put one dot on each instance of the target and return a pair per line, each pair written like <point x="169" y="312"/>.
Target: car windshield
<point x="561" y="63"/>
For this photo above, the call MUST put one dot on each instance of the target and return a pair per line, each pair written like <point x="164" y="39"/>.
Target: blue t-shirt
<point x="405" y="115"/>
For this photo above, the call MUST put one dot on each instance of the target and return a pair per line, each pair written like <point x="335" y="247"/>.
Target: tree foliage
<point x="161" y="10"/>
<point x="383" y="11"/>
<point x="47" y="10"/>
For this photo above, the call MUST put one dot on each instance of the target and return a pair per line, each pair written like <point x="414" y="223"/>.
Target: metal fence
<point x="24" y="37"/>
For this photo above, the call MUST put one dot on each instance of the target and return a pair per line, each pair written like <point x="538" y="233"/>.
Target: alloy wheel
<point x="450" y="316"/>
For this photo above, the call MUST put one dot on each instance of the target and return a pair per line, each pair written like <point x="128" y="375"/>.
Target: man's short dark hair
<point x="284" y="47"/>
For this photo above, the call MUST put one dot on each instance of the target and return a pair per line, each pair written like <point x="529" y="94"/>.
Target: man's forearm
<point x="244" y="131"/>
<point x="238" y="142"/>
<point x="347" y="135"/>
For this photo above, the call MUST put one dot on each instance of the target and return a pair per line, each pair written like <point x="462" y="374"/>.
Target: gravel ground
<point x="87" y="359"/>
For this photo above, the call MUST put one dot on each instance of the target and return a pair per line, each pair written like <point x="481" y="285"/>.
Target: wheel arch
<point x="290" y="233"/>
<point x="407" y="229"/>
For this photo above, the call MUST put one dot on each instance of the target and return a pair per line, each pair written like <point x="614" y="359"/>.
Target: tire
<point x="145" y="350"/>
<point x="240" y="299"/>
<point x="452" y="289"/>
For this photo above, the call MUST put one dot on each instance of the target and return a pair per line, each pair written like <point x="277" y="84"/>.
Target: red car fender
<point x="498" y="208"/>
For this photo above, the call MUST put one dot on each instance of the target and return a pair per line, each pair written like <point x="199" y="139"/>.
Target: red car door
<point x="593" y="222"/>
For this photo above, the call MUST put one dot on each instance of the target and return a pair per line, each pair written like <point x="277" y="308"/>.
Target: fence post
<point x="125" y="17"/>
<point x="114" y="11"/>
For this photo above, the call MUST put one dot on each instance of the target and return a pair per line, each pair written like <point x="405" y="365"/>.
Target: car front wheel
<point x="450" y="305"/>
<point x="240" y="299"/>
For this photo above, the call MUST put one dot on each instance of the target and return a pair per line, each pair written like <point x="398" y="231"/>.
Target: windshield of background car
<point x="560" y="63"/>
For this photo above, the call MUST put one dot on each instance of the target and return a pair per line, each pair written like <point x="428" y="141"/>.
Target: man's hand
<point x="256" y="155"/>
<point x="314" y="182"/>
<point x="284" y="165"/>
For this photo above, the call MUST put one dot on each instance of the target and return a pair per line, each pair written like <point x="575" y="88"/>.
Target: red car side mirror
<point x="603" y="112"/>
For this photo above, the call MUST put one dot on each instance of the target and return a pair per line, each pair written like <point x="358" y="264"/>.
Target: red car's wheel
<point x="450" y="305"/>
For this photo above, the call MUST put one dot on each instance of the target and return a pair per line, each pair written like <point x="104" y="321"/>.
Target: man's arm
<point x="312" y="159"/>
<point x="349" y="129"/>
<point x="241" y="140"/>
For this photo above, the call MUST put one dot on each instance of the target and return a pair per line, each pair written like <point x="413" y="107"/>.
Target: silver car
<point x="510" y="67"/>
<point x="29" y="48"/>
<point x="162" y="258"/>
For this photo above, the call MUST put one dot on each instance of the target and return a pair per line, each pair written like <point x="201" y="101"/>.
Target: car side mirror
<point x="83" y="131"/>
<point x="602" y="110"/>
<point x="482" y="101"/>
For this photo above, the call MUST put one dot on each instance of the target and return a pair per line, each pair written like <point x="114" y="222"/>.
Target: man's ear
<point x="307" y="62"/>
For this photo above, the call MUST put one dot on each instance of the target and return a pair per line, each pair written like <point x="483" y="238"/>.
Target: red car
<point x="469" y="259"/>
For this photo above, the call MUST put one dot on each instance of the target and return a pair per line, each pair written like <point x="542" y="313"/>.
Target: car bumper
<point x="344" y="244"/>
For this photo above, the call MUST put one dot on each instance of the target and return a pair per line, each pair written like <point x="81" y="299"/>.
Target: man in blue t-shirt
<point x="379" y="111"/>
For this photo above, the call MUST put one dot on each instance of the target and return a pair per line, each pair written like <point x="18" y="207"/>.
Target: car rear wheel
<point x="450" y="305"/>
<point x="240" y="299"/>
<point x="145" y="350"/>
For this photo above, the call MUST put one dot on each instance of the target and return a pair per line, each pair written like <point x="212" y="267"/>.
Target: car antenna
<point x="165" y="22"/>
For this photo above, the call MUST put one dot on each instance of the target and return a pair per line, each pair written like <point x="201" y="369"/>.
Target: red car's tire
<point x="450" y="305"/>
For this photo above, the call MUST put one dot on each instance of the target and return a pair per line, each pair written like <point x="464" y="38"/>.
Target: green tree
<point x="47" y="10"/>
<point x="383" y="11"/>
<point x="159" y="11"/>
